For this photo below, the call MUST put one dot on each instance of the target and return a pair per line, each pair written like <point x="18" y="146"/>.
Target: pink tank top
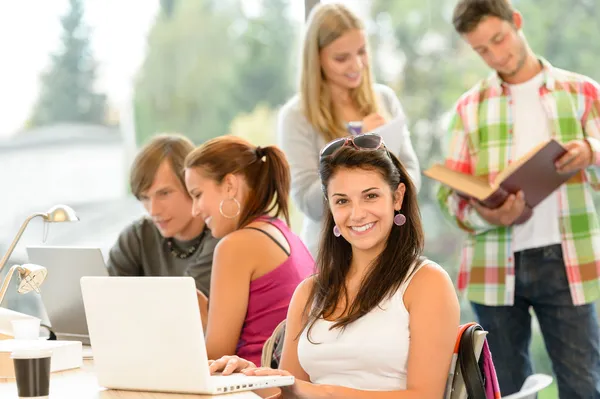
<point x="270" y="295"/>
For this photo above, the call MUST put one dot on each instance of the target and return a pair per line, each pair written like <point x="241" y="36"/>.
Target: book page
<point x="474" y="186"/>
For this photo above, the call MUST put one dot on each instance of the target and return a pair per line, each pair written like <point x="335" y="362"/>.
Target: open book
<point x="534" y="173"/>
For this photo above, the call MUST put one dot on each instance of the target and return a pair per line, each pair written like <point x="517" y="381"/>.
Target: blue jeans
<point x="570" y="332"/>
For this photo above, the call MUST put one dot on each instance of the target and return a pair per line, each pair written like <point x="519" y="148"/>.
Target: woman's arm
<point x="293" y="327"/>
<point x="203" y="305"/>
<point x="239" y="258"/>
<point x="408" y="157"/>
<point x="229" y="288"/>
<point x="296" y="138"/>
<point x="434" y="318"/>
<point x="406" y="152"/>
<point x="434" y="314"/>
<point x="289" y="364"/>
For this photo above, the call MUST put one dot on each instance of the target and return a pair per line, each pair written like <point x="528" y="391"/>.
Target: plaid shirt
<point x="480" y="140"/>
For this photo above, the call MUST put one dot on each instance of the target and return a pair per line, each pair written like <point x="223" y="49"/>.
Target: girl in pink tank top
<point x="270" y="294"/>
<point x="259" y="261"/>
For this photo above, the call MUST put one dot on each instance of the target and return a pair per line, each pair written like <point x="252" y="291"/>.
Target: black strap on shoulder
<point x="469" y="366"/>
<point x="271" y="237"/>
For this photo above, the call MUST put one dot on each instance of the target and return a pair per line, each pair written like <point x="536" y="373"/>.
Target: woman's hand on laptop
<point x="234" y="364"/>
<point x="265" y="371"/>
<point x="230" y="364"/>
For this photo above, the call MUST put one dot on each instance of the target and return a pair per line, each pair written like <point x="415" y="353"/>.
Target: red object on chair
<point x="468" y="378"/>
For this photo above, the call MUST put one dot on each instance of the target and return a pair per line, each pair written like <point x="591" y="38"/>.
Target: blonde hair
<point x="326" y="23"/>
<point x="171" y="147"/>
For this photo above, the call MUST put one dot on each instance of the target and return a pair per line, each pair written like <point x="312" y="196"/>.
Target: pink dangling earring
<point x="336" y="231"/>
<point x="399" y="219"/>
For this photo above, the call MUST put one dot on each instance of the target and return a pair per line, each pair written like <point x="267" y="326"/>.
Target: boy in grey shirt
<point x="169" y="241"/>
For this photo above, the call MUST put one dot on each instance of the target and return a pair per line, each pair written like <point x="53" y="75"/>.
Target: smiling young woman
<point x="241" y="192"/>
<point x="378" y="320"/>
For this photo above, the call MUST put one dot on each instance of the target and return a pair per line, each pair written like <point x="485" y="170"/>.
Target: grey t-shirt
<point x="142" y="251"/>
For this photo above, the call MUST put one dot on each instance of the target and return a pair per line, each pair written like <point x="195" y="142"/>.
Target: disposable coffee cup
<point x="32" y="372"/>
<point x="26" y="328"/>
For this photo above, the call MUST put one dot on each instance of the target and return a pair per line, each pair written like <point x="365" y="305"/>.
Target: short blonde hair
<point x="172" y="147"/>
<point x="326" y="23"/>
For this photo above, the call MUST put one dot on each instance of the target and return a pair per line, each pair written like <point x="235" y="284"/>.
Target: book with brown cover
<point x="534" y="173"/>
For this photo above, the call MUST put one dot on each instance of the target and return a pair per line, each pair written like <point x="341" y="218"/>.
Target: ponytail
<point x="265" y="170"/>
<point x="270" y="182"/>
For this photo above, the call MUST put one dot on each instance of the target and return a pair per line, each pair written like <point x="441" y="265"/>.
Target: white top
<point x="370" y="354"/>
<point x="302" y="145"/>
<point x="531" y="127"/>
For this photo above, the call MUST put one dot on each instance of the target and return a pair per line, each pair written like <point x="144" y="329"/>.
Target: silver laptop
<point x="61" y="292"/>
<point x="146" y="334"/>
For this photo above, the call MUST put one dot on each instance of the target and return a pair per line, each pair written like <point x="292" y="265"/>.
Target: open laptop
<point x="146" y="334"/>
<point x="61" y="291"/>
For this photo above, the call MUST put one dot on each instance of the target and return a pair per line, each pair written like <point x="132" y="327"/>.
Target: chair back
<point x="271" y="352"/>
<point x="455" y="387"/>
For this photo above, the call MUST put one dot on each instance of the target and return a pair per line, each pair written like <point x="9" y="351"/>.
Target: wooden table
<point x="82" y="384"/>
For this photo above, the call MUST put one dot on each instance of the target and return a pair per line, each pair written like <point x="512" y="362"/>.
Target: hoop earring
<point x="239" y="208"/>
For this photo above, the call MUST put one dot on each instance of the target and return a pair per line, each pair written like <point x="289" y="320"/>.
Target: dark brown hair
<point x="390" y="269"/>
<point x="266" y="171"/>
<point x="469" y="13"/>
<point x="171" y="147"/>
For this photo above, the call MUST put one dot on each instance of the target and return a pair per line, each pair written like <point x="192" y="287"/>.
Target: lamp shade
<point x="32" y="277"/>
<point x="61" y="213"/>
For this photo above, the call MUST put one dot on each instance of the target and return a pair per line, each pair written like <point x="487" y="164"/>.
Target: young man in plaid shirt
<point x="551" y="262"/>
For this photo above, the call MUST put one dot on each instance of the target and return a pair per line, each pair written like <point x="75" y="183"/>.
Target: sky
<point x="30" y="31"/>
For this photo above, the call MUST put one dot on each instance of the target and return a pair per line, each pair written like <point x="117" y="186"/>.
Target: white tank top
<point x="369" y="354"/>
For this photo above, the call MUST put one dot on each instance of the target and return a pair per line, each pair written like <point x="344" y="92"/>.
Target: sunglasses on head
<point x="367" y="141"/>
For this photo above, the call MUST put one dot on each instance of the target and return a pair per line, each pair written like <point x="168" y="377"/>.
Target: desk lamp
<point x="32" y="276"/>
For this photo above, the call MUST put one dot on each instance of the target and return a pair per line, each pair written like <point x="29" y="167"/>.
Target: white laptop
<point x="61" y="291"/>
<point x="146" y="334"/>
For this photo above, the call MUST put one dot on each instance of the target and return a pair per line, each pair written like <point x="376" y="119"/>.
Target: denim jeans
<point x="570" y="332"/>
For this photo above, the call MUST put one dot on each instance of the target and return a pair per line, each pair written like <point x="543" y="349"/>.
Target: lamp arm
<point x="7" y="281"/>
<point x="17" y="237"/>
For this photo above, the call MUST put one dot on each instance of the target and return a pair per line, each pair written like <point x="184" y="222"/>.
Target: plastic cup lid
<point x="31" y="353"/>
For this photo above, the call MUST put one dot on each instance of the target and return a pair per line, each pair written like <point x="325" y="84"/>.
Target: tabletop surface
<point x="82" y="384"/>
